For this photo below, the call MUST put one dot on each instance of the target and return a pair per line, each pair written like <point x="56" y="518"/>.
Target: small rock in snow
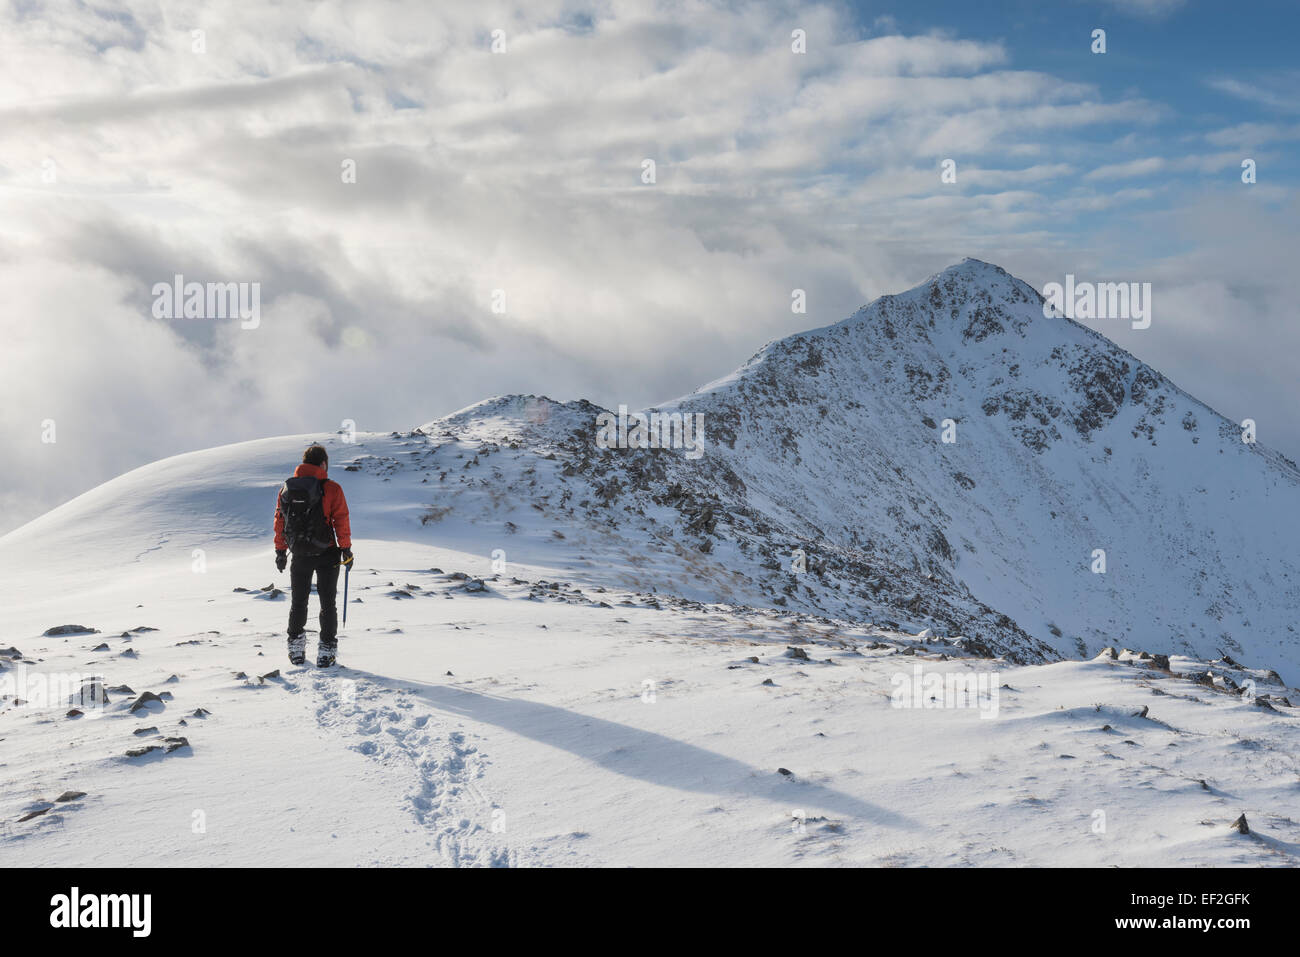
<point x="143" y="700"/>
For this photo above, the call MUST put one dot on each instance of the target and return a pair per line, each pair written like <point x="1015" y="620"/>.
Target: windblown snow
<point x="866" y="626"/>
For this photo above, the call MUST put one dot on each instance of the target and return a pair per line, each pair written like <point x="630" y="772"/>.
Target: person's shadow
<point x="641" y="754"/>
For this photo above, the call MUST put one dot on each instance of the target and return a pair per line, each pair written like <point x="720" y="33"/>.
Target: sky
<point x="445" y="202"/>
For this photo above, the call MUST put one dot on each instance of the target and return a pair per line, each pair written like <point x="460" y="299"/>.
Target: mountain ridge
<point x="830" y="444"/>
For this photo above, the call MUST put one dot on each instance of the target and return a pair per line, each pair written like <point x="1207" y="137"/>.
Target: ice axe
<point x="347" y="572"/>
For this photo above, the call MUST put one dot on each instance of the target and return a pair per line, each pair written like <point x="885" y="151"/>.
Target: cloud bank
<point x="133" y="148"/>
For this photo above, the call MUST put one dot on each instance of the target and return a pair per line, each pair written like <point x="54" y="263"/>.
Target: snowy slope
<point x="530" y="725"/>
<point x="1064" y="444"/>
<point x="622" y="689"/>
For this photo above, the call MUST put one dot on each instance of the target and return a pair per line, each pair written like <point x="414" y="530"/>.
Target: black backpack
<point x="305" y="526"/>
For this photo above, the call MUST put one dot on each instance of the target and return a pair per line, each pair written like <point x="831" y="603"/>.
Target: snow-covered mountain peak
<point x="534" y="415"/>
<point x="947" y="458"/>
<point x="963" y="305"/>
<point x="977" y="273"/>
<point x="956" y="429"/>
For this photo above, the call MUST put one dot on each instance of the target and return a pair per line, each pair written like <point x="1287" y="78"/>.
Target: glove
<point x="281" y="557"/>
<point x="345" y="557"/>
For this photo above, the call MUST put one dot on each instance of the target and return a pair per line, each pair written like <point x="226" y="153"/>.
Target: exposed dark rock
<point x="144" y="700"/>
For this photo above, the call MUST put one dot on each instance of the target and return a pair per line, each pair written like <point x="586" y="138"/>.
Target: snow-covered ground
<point x="545" y="721"/>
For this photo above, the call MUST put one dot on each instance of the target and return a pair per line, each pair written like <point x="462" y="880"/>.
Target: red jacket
<point x="333" y="503"/>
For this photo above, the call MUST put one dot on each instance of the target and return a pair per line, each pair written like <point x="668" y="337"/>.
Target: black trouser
<point x="325" y="567"/>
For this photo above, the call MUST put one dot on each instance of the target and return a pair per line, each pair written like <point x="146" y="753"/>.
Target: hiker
<point x="311" y="519"/>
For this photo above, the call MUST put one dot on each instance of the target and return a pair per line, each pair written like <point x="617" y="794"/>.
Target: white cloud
<point x="1277" y="92"/>
<point x="1128" y="169"/>
<point x="1151" y="9"/>
<point x="1251" y="135"/>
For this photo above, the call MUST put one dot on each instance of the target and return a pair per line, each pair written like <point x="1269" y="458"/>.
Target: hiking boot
<point x="298" y="650"/>
<point x="325" y="655"/>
